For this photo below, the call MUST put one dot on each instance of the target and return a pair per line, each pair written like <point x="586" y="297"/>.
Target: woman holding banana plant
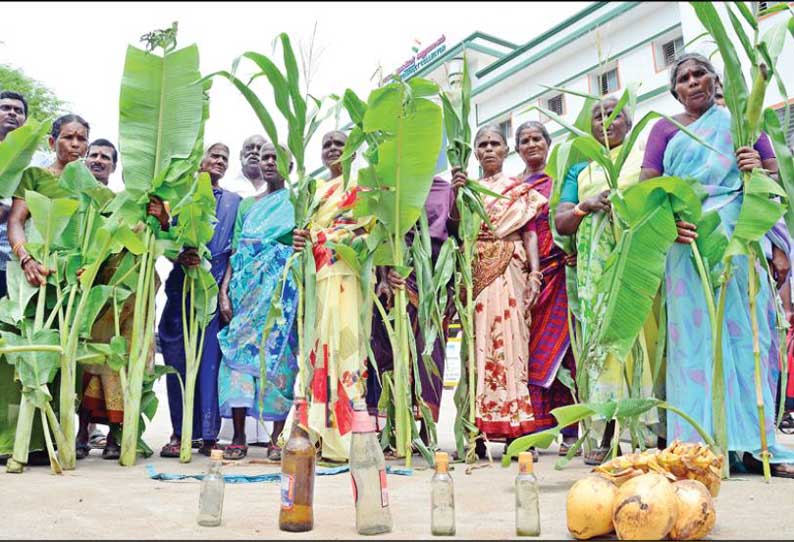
<point x="689" y="347"/>
<point x="257" y="373"/>
<point x="507" y="281"/>
<point x="584" y="211"/>
<point x="549" y="341"/>
<point x="339" y="354"/>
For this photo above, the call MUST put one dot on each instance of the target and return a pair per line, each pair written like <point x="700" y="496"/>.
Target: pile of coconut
<point x="650" y="502"/>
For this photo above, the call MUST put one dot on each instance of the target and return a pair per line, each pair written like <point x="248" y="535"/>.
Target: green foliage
<point x="16" y="152"/>
<point x="43" y="103"/>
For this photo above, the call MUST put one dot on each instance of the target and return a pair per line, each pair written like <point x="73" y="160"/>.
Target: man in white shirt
<point x="249" y="181"/>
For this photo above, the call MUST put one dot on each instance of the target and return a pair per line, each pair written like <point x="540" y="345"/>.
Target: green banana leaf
<point x="406" y="161"/>
<point x="160" y="113"/>
<point x="34" y="369"/>
<point x="20" y="292"/>
<point x="785" y="161"/>
<point x="635" y="269"/>
<point x="50" y="216"/>
<point x="16" y="152"/>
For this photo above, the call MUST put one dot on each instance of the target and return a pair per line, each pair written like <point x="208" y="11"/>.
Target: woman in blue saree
<point x="689" y="348"/>
<point x="262" y="245"/>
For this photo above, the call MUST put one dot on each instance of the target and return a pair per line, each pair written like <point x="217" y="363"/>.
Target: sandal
<point x="111" y="451"/>
<point x="565" y="448"/>
<point x="781" y="470"/>
<point x="81" y="450"/>
<point x="787" y="425"/>
<point x="596" y="456"/>
<point x="171" y="449"/>
<point x="274" y="453"/>
<point x="204" y="449"/>
<point x="233" y="452"/>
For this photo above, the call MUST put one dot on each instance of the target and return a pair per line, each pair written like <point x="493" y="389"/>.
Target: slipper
<point x="234" y="452"/>
<point x="81" y="450"/>
<point x="111" y="451"/>
<point x="206" y="450"/>
<point x="565" y="448"/>
<point x="781" y="470"/>
<point x="787" y="425"/>
<point x="274" y="453"/>
<point x="596" y="456"/>
<point x="170" y="450"/>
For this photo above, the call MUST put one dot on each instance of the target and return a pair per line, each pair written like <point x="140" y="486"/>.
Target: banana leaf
<point x="20" y="292"/>
<point x="758" y="214"/>
<point x="16" y="152"/>
<point x="785" y="161"/>
<point x="160" y="107"/>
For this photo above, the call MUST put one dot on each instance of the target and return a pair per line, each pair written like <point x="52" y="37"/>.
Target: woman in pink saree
<point x="507" y="281"/>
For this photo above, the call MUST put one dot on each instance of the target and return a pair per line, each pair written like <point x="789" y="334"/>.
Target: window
<point x="671" y="50"/>
<point x="608" y="81"/>
<point x="788" y="130"/>
<point x="506" y="127"/>
<point x="556" y="104"/>
<point x="761" y="7"/>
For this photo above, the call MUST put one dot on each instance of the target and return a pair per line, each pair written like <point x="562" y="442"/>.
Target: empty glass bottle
<point x="368" y="471"/>
<point x="442" y="515"/>
<point x="527" y="498"/>
<point x="211" y="497"/>
<point x="297" y="475"/>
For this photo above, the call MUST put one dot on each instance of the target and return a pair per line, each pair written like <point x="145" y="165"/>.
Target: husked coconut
<point x="646" y="508"/>
<point x="696" y="512"/>
<point x="589" y="507"/>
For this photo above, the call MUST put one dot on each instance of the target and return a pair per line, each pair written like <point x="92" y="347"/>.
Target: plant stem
<point x="188" y="316"/>
<point x="719" y="420"/>
<point x="759" y="394"/>
<point x="22" y="436"/>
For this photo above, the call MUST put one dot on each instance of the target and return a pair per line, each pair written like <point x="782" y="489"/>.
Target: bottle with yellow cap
<point x="527" y="498"/>
<point x="211" y="498"/>
<point x="442" y="508"/>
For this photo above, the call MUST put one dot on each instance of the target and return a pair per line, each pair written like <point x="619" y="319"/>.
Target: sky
<point x="78" y="48"/>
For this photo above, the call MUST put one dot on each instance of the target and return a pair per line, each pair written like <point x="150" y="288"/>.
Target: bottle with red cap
<point x="297" y="475"/>
<point x="368" y="471"/>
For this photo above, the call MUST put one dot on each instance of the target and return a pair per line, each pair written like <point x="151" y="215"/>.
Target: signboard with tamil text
<point x="422" y="58"/>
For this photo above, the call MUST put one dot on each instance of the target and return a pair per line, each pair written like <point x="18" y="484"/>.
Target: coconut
<point x="589" y="507"/>
<point x="696" y="513"/>
<point x="646" y="508"/>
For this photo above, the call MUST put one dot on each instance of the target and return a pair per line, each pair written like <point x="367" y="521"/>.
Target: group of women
<point x="522" y="329"/>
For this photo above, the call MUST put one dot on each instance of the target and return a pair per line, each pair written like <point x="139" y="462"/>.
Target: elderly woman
<point x="549" y="342"/>
<point x="507" y="280"/>
<point x="340" y="351"/>
<point x="583" y="211"/>
<point x="689" y="346"/>
<point x="262" y="245"/>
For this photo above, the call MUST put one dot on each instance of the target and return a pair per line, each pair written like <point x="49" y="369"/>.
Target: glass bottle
<point x="297" y="475"/>
<point x="368" y="472"/>
<point x="211" y="497"/>
<point x="442" y="516"/>
<point x="527" y="498"/>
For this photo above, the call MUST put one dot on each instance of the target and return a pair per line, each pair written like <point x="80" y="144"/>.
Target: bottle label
<point x="287" y="491"/>
<point x="384" y="490"/>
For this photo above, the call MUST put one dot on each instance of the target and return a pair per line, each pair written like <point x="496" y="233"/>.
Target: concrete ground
<point x="103" y="500"/>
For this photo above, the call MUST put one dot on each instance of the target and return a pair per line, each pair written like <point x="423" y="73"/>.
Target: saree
<point x="603" y="376"/>
<point x="549" y="339"/>
<point x="439" y="202"/>
<point x="339" y="353"/>
<point x="501" y="333"/>
<point x="206" y="417"/>
<point x="689" y="345"/>
<point x="258" y="263"/>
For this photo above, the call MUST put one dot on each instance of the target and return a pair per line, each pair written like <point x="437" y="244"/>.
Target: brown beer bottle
<point x="297" y="475"/>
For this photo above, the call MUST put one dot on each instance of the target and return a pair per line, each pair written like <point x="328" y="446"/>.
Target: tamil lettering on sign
<point x="422" y="58"/>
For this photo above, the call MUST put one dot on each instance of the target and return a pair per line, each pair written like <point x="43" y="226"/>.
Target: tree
<point x="42" y="101"/>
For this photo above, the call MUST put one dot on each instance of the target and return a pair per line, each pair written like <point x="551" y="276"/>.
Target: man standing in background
<point x="249" y="182"/>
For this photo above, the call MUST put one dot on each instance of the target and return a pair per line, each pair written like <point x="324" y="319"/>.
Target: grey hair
<point x="533" y="125"/>
<point x="699" y="59"/>
<point x="490" y="128"/>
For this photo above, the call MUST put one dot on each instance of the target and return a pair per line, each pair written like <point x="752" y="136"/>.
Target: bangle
<point x="25" y="259"/>
<point x="579" y="212"/>
<point x="16" y="246"/>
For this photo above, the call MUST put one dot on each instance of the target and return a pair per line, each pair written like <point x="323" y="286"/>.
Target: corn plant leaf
<point x="785" y="161"/>
<point x="744" y="39"/>
<point x="758" y="214"/>
<point x="711" y="242"/>
<point x="50" y="216"/>
<point x="16" y="152"/>
<point x="747" y="14"/>
<point x="20" y="292"/>
<point x="160" y="112"/>
<point x="584" y="95"/>
<point x="627" y="99"/>
<point x="774" y="39"/>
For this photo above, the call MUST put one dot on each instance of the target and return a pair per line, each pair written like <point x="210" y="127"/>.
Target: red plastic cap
<point x="362" y="423"/>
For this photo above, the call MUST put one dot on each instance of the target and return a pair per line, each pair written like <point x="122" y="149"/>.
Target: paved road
<point x="103" y="500"/>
